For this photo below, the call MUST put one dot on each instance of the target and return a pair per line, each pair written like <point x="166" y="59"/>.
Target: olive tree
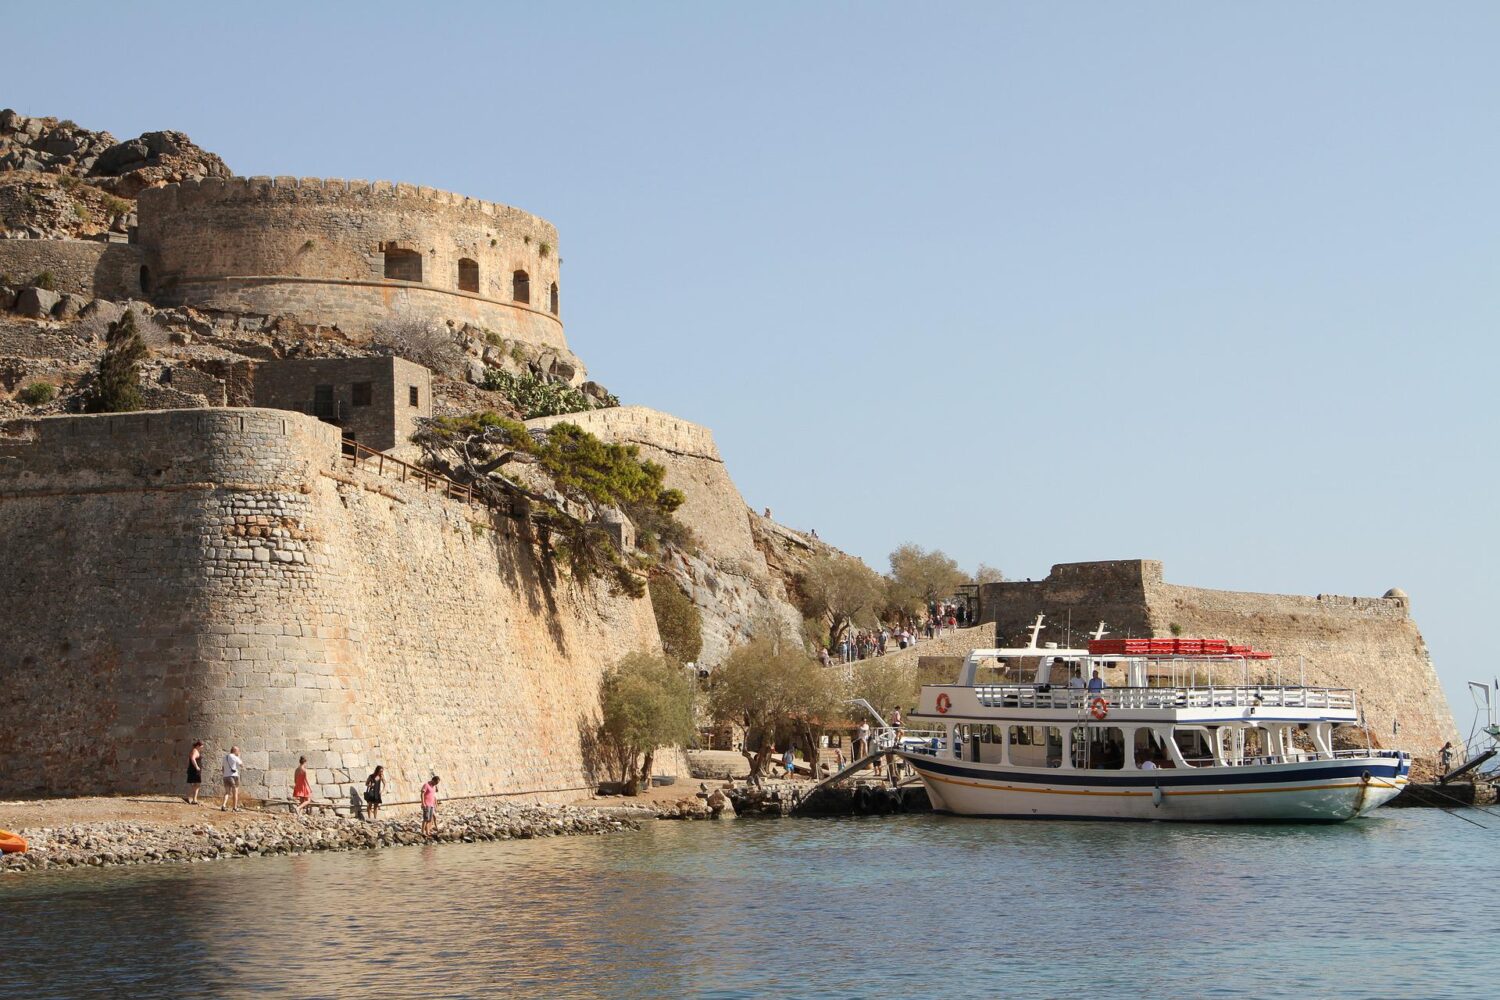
<point x="647" y="703"/>
<point x="779" y="695"/>
<point x="840" y="590"/>
<point x="919" y="577"/>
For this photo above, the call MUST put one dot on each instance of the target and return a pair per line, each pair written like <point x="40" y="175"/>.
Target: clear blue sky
<point x="1211" y="283"/>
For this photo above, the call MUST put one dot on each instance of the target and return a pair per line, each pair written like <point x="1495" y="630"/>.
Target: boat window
<point x="1148" y="746"/>
<point x="1196" y="746"/>
<point x="1099" y="747"/>
<point x="1036" y="746"/>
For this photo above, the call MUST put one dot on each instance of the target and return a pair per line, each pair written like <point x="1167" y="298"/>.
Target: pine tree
<point x="117" y="387"/>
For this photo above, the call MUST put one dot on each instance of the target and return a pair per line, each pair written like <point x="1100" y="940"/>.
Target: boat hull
<point x="1305" y="792"/>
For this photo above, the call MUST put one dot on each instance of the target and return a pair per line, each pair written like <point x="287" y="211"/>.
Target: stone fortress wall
<point x="729" y="578"/>
<point x="89" y="268"/>
<point x="218" y="574"/>
<point x="352" y="254"/>
<point x="1370" y="644"/>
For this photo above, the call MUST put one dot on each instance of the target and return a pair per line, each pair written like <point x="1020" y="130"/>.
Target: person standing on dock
<point x="862" y="740"/>
<point x="194" y="772"/>
<point x="429" y="806"/>
<point x="301" y="787"/>
<point x="232" y="765"/>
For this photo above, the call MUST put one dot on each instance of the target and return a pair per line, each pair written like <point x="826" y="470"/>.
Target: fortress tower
<point x="351" y="254"/>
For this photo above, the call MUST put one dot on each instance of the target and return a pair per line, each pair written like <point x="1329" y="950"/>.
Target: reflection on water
<point x="905" y="906"/>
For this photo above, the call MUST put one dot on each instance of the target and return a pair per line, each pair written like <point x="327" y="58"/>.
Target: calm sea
<point x="1395" y="905"/>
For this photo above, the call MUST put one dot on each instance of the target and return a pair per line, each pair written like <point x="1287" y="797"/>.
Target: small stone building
<point x="374" y="401"/>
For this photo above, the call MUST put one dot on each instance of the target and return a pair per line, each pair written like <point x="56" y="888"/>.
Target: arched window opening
<point x="145" y="280"/>
<point x="403" y="265"/>
<point x="468" y="275"/>
<point x="520" y="286"/>
<point x="554" y="299"/>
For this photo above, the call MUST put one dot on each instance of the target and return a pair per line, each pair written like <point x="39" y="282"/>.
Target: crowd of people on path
<point x="863" y="644"/>
<point x="302" y="794"/>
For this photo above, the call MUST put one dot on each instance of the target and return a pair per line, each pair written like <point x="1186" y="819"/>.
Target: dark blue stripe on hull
<point x="1165" y="777"/>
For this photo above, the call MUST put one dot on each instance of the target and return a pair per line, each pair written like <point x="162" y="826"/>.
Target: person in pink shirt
<point x="429" y="806"/>
<point x="301" y="787"/>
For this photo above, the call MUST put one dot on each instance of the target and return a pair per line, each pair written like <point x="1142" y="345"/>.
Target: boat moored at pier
<point x="1157" y="729"/>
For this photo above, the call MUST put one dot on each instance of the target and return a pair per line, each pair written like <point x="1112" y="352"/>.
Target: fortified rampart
<point x="352" y="254"/>
<point x="728" y="578"/>
<point x="219" y="574"/>
<point x="89" y="268"/>
<point x="1370" y="644"/>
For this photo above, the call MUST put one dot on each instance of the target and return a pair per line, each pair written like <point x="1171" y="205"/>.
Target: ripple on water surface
<point x="892" y="907"/>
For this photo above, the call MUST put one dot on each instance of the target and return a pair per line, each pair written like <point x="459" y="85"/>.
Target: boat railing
<point x="1253" y="696"/>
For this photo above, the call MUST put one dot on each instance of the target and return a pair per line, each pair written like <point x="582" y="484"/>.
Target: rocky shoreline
<point x="109" y="844"/>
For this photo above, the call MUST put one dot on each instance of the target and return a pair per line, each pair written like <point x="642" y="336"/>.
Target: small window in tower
<point x="364" y="393"/>
<point x="412" y="396"/>
<point x="468" y="275"/>
<point x="520" y="285"/>
<point x="554" y="298"/>
<point x="403" y="265"/>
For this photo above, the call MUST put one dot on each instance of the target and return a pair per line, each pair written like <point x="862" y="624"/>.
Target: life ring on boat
<point x="12" y="843"/>
<point x="1098" y="707"/>
<point x="944" y="703"/>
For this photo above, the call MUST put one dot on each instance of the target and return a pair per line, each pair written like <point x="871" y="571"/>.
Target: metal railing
<point x="1033" y="696"/>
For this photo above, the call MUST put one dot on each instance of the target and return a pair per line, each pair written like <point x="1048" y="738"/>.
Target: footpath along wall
<point x="217" y="574"/>
<point x="1370" y="644"/>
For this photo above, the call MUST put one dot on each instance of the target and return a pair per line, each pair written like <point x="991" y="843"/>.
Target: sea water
<point x="1398" y="904"/>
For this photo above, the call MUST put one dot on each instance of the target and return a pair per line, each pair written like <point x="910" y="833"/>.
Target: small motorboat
<point x="12" y="843"/>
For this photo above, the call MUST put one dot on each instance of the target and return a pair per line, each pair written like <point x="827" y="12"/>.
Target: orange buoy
<point x="11" y="843"/>
<point x="944" y="703"/>
<point x="1098" y="708"/>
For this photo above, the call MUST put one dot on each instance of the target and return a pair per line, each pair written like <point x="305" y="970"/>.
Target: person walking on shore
<point x="429" y="807"/>
<point x="375" y="791"/>
<point x="194" y="773"/>
<point x="301" y="787"/>
<point x="232" y="765"/>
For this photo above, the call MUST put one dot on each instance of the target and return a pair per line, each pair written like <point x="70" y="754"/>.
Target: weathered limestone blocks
<point x="352" y="255"/>
<point x="729" y="579"/>
<point x="214" y="574"/>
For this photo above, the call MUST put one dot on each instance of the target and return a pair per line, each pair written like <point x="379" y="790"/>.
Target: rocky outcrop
<point x="59" y="146"/>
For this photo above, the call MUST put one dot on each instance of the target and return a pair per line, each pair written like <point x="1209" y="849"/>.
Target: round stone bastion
<point x="353" y="255"/>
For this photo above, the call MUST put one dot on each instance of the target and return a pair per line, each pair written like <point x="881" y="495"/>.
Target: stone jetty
<point x="108" y="844"/>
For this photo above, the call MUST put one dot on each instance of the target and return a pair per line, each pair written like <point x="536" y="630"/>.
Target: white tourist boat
<point x="1178" y="731"/>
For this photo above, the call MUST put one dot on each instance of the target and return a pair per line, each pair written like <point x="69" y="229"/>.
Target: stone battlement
<point x="294" y="190"/>
<point x="644" y="426"/>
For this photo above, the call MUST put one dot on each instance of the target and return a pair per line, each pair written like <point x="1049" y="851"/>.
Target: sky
<point x="1209" y="283"/>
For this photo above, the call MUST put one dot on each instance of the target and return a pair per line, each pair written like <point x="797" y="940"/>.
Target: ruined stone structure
<point x="1370" y="644"/>
<point x="83" y="267"/>
<point x="352" y="254"/>
<point x="222" y="574"/>
<point x="373" y="401"/>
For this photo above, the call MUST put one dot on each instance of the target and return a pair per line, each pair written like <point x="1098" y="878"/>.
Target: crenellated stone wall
<point x="219" y="574"/>
<point x="1370" y="644"/>
<point x="315" y="249"/>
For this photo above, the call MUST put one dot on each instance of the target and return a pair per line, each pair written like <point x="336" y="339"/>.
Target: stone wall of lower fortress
<point x="728" y="579"/>
<point x="1370" y="644"/>
<point x="219" y="574"/>
<point x="82" y="267"/>
<point x="353" y="255"/>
